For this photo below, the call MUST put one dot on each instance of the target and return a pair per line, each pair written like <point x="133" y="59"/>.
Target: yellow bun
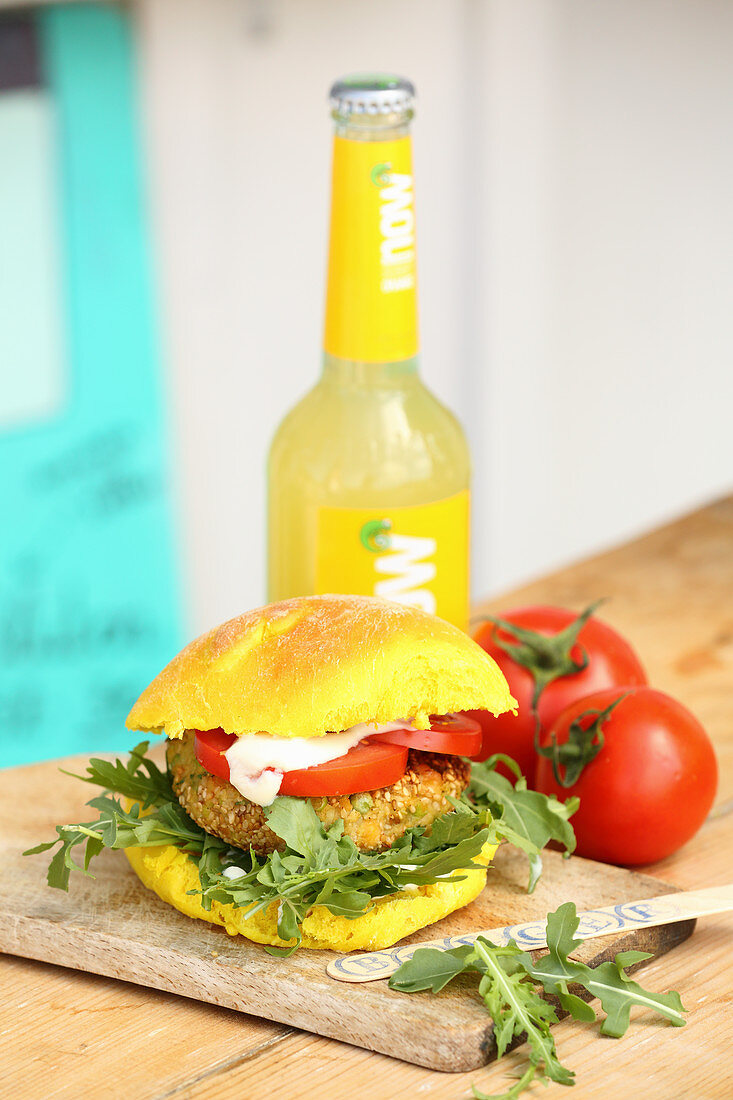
<point x="171" y="874"/>
<point x="318" y="664"/>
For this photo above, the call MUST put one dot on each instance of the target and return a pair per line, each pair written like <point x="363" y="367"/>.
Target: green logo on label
<point x="381" y="174"/>
<point x="374" y="535"/>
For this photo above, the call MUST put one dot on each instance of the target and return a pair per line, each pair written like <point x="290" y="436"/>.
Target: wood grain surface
<point x="112" y="925"/>
<point x="70" y="1034"/>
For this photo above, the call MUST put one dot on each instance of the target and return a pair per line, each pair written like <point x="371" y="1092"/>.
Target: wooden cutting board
<point x="112" y="925"/>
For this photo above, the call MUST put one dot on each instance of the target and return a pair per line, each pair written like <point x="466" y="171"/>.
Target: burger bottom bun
<point x="171" y="874"/>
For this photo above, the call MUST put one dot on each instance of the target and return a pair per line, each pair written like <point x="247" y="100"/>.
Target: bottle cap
<point x="371" y="94"/>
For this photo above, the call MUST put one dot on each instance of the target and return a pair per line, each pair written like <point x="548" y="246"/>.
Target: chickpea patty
<point x="373" y="820"/>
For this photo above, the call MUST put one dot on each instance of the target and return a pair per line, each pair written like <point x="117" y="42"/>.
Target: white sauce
<point x="233" y="872"/>
<point x="257" y="762"/>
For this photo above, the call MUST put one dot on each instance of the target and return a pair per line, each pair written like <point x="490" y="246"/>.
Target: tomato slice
<point x="454" y="734"/>
<point x="209" y="747"/>
<point x="366" y="767"/>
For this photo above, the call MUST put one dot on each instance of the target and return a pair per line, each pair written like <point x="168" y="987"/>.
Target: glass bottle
<point x="368" y="480"/>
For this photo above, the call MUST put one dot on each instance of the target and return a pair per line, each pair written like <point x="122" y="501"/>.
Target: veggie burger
<point x="315" y="786"/>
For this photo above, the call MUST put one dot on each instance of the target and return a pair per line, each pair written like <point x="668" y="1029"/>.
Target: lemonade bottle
<point x="369" y="474"/>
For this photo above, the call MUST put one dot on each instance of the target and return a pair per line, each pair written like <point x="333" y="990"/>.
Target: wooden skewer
<point x="605" y="921"/>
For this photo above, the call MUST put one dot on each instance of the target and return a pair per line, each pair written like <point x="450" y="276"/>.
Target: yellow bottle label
<point x="371" y="303"/>
<point x="416" y="555"/>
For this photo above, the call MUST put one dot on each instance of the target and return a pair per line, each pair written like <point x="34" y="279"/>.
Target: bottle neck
<point x="373" y="127"/>
<point x="348" y="373"/>
<point x="371" y="301"/>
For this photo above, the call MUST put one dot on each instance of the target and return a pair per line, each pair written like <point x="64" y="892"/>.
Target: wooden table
<point x="67" y="1034"/>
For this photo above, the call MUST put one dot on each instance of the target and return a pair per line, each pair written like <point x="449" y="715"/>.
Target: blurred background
<point x="164" y="191"/>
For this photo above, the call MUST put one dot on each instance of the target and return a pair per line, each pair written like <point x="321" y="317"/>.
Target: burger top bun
<point x="319" y="664"/>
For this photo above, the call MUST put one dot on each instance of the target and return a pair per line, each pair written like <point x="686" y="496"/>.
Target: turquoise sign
<point x="89" y="594"/>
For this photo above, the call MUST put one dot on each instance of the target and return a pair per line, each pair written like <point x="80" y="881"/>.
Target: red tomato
<point x="650" y="787"/>
<point x="366" y="767"/>
<point x="209" y="747"/>
<point x="454" y="734"/>
<point x="611" y="663"/>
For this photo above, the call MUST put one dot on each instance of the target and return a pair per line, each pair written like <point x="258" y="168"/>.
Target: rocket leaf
<point x="608" y="982"/>
<point x="524" y="818"/>
<point x="508" y="992"/>
<point x="508" y="985"/>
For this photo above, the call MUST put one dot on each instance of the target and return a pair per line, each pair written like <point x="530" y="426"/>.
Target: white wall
<point x="608" y="283"/>
<point x="574" y="173"/>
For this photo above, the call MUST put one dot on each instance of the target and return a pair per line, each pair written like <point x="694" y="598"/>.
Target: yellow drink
<point x="369" y="473"/>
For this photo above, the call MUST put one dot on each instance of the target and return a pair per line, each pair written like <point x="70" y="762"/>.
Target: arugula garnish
<point x="318" y="866"/>
<point x="524" y="818"/>
<point x="323" y="867"/>
<point x="140" y="778"/>
<point x="608" y="981"/>
<point x="508" y="985"/>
